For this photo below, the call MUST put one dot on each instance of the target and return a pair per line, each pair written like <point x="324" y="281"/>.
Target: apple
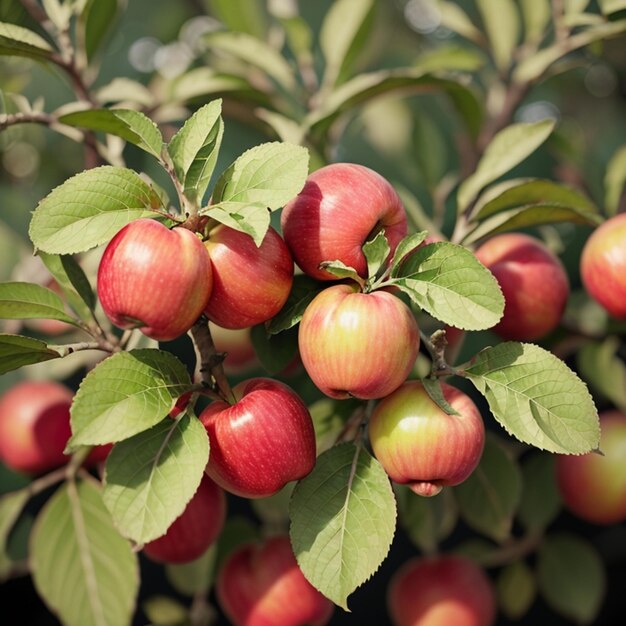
<point x="593" y="486"/>
<point x="533" y="281"/>
<point x="420" y="445"/>
<point x="195" y="530"/>
<point x="445" y="590"/>
<point x="357" y="344"/>
<point x="250" y="284"/>
<point x="262" y="441"/>
<point x="603" y="265"/>
<point x="155" y="279"/>
<point x="262" y="585"/>
<point x="340" y="206"/>
<point x="236" y="343"/>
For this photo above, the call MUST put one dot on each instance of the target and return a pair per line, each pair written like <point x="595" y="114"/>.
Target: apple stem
<point x="436" y="346"/>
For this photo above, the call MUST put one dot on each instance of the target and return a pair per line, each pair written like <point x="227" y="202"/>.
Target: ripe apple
<point x="236" y="343"/>
<point x="603" y="265"/>
<point x="420" y="445"/>
<point x="592" y="486"/>
<point x="262" y="441"/>
<point x="357" y="344"/>
<point x="441" y="591"/>
<point x="154" y="279"/>
<point x="339" y="208"/>
<point x="195" y="530"/>
<point x="250" y="284"/>
<point x="262" y="585"/>
<point x="533" y="281"/>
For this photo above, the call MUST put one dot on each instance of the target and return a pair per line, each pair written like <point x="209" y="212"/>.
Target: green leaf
<point x="455" y="18"/>
<point x="246" y="16"/>
<point x="97" y="19"/>
<point x="132" y="126"/>
<point x="193" y="577"/>
<point x="451" y="57"/>
<point x="165" y="611"/>
<point x="343" y="516"/>
<point x="23" y="301"/>
<point x="276" y="352"/>
<point x="615" y="180"/>
<point x="343" y="33"/>
<point x="517" y="589"/>
<point x="612" y="6"/>
<point x="274" y="510"/>
<point x="270" y="174"/>
<point x="541" y="502"/>
<point x="340" y="270"/>
<point x="407" y="245"/>
<point x="58" y="12"/>
<point x="536" y="397"/>
<point x="246" y="217"/>
<point x="237" y="531"/>
<point x="195" y="147"/>
<point x="141" y="471"/>
<point x="303" y="291"/>
<point x="571" y="577"/>
<point x="507" y="149"/>
<point x="17" y="351"/>
<point x="329" y="418"/>
<point x="432" y="386"/>
<point x="89" y="208"/>
<point x="74" y="534"/>
<point x="126" y="394"/>
<point x="376" y="252"/>
<point x="575" y="6"/>
<point x="537" y="15"/>
<point x="19" y="41"/>
<point x="448" y="282"/>
<point x="489" y="498"/>
<point x="11" y="505"/>
<point x="502" y="24"/>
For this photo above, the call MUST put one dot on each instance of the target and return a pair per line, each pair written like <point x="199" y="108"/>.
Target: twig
<point x="11" y="119"/>
<point x="436" y="346"/>
<point x="511" y="551"/>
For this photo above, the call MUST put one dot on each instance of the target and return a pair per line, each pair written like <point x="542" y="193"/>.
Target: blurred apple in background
<point x="237" y="345"/>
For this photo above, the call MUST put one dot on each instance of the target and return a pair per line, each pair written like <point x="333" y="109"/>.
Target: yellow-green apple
<point x="357" y="344"/>
<point x="195" y="530"/>
<point x="533" y="281"/>
<point x="236" y="344"/>
<point x="250" y="283"/>
<point x="155" y="279"/>
<point x="444" y="590"/>
<point x="262" y="585"/>
<point x="340" y="206"/>
<point x="420" y="445"/>
<point x="603" y="265"/>
<point x="593" y="486"/>
<point x="262" y="441"/>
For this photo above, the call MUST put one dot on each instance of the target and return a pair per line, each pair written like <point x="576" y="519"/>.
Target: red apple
<point x="339" y="208"/>
<point x="262" y="441"/>
<point x="358" y="344"/>
<point x="603" y="265"/>
<point x="236" y="343"/>
<point x="262" y="585"/>
<point x="155" y="279"/>
<point x="250" y="284"/>
<point x="420" y="445"/>
<point x="195" y="530"/>
<point x="441" y="591"/>
<point x="592" y="486"/>
<point x="533" y="281"/>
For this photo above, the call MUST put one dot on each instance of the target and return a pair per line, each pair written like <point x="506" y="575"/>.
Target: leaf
<point x="89" y="208"/>
<point x="126" y="394"/>
<point x="541" y="502"/>
<point x="270" y="174"/>
<point x="537" y="14"/>
<point x="11" y="505"/>
<point x="340" y="270"/>
<point x="615" y="180"/>
<point x="571" y="577"/>
<point x="536" y="397"/>
<point x="25" y="301"/>
<point x="507" y="149"/>
<point x="97" y="19"/>
<point x="303" y="291"/>
<point x="141" y="471"/>
<point x="407" y="245"/>
<point x="132" y="126"/>
<point x="517" y="589"/>
<point x="17" y="351"/>
<point x="246" y="16"/>
<point x="193" y="577"/>
<point x="502" y="24"/>
<point x="58" y="13"/>
<point x="165" y="611"/>
<point x="19" y="41"/>
<point x="449" y="283"/>
<point x="432" y="386"/>
<point x="454" y="18"/>
<point x="276" y="352"/>
<point x="376" y="252"/>
<point x="246" y="217"/>
<point x="274" y="509"/>
<point x="329" y="418"/>
<point x="195" y="147"/>
<point x="451" y="57"/>
<point x="74" y="534"/>
<point x="612" y="6"/>
<point x="489" y="498"/>
<point x="343" y="516"/>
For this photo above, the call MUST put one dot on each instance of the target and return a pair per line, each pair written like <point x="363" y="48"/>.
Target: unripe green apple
<point x="441" y="591"/>
<point x="533" y="281"/>
<point x="603" y="265"/>
<point x="593" y="486"/>
<point x="420" y="445"/>
<point x="358" y="344"/>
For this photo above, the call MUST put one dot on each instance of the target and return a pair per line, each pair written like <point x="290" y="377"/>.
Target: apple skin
<point x="250" y="284"/>
<point x="262" y="585"/>
<point x="444" y="590"/>
<point x="593" y="487"/>
<point x="533" y="281"/>
<point x="337" y="210"/>
<point x="236" y="343"/>
<point x="419" y="445"/>
<point x="357" y="344"/>
<point x="195" y="530"/>
<point x="154" y="279"/>
<point x="262" y="441"/>
<point x="603" y="265"/>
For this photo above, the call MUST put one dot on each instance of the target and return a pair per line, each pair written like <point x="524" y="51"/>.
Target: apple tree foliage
<point x="302" y="88"/>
